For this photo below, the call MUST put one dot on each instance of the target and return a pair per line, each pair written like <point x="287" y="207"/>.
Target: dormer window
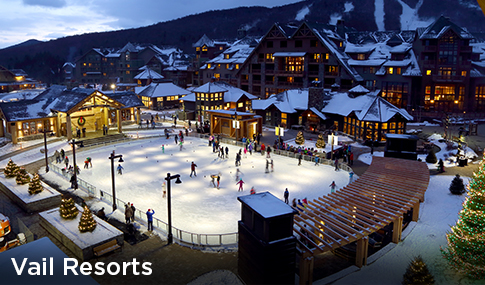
<point x="204" y="48"/>
<point x="227" y="56"/>
<point x="390" y="70"/>
<point x="361" y="56"/>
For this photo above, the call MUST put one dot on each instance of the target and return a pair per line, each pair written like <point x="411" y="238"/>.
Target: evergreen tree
<point x="431" y="157"/>
<point x="22" y="176"/>
<point x="35" y="186"/>
<point x="87" y="222"/>
<point x="11" y="169"/>
<point x="299" y="138"/>
<point x="466" y="241"/>
<point x="417" y="273"/>
<point x="320" y="141"/>
<point x="68" y="209"/>
<point x="457" y="187"/>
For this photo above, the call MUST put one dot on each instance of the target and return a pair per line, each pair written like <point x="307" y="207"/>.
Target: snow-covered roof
<point x="163" y="89"/>
<point x="284" y="54"/>
<point x="204" y="40"/>
<point x="237" y="53"/>
<point x="267" y="205"/>
<point x="129" y="47"/>
<point x="289" y="101"/>
<point x="318" y="113"/>
<point x="232" y="94"/>
<point x="359" y="89"/>
<point x="231" y="112"/>
<point x="353" y="48"/>
<point x="369" y="62"/>
<point x="369" y="107"/>
<point x="147" y="73"/>
<point x="209" y="87"/>
<point x="439" y="27"/>
<point x="189" y="98"/>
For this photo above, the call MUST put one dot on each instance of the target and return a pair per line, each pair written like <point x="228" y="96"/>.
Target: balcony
<point x="269" y="82"/>
<point x="244" y="81"/>
<point x="269" y="71"/>
<point x="318" y="60"/>
<point x="256" y="82"/>
<point x="448" y="78"/>
<point x="256" y="71"/>
<point x="429" y="63"/>
<point x="288" y="73"/>
<point x="291" y="84"/>
<point x="313" y="73"/>
<point x="430" y="49"/>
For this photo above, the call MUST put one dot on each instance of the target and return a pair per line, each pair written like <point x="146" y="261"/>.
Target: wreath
<point x="81" y="121"/>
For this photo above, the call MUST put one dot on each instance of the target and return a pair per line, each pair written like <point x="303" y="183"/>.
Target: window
<point x="298" y="43"/>
<point x="428" y="72"/>
<point x="428" y="90"/>
<point x="283" y="44"/>
<point x="398" y="70"/>
<point x="269" y="57"/>
<point x="197" y="49"/>
<point x="326" y="56"/>
<point x="237" y="65"/>
<point x="220" y="48"/>
<point x="463" y="73"/>
<point x="227" y="65"/>
<point x="84" y="64"/>
<point x="390" y="70"/>
<point x="227" y="56"/>
<point x="204" y="48"/>
<point x="284" y="115"/>
<point x="240" y="105"/>
<point x="269" y="44"/>
<point x="127" y="66"/>
<point x="294" y="63"/>
<point x="314" y="43"/>
<point x="361" y="56"/>
<point x="268" y="116"/>
<point x="127" y="72"/>
<point x="219" y="66"/>
<point x="209" y="66"/>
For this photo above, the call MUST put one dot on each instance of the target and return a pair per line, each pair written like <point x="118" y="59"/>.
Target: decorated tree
<point x="431" y="157"/>
<point x="11" y="169"/>
<point x="299" y="138"/>
<point x="22" y="176"/>
<point x="466" y="241"/>
<point x="68" y="209"/>
<point x="87" y="222"/>
<point x="457" y="187"/>
<point x="320" y="141"/>
<point x="35" y="186"/>
<point x="417" y="273"/>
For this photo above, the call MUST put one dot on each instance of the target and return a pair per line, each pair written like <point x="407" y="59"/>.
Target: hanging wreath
<point x="81" y="121"/>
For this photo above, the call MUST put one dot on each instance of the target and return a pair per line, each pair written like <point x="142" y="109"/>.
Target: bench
<point x="106" y="247"/>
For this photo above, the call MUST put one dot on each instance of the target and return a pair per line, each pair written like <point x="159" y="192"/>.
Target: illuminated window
<point x="390" y="70"/>
<point x="104" y="73"/>
<point x="209" y="65"/>
<point x="219" y="66"/>
<point x="220" y="48"/>
<point x="428" y="72"/>
<point x="341" y="44"/>
<point x="361" y="56"/>
<point x="398" y="70"/>
<point x="90" y="64"/>
<point x="463" y="73"/>
<point x="127" y="72"/>
<point x="226" y="56"/>
<point x="269" y="57"/>
<point x="428" y="90"/>
<point x="237" y="66"/>
<point x="84" y="64"/>
<point x="197" y="49"/>
<point x="84" y="74"/>
<point x="326" y="56"/>
<point x="217" y="75"/>
<point x="204" y="48"/>
<point x="128" y="66"/>
<point x="284" y="115"/>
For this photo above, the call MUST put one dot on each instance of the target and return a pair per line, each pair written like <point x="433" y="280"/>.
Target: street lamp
<point x="45" y="132"/>
<point x="169" y="204"/>
<point x="235" y="123"/>
<point x="112" y="157"/>
<point x="74" y="143"/>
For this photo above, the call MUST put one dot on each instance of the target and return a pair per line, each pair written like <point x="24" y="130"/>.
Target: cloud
<point x="47" y="3"/>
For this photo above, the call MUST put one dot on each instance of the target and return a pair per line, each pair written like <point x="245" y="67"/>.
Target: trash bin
<point x="462" y="162"/>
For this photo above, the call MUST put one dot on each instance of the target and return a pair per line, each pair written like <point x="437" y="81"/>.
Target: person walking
<point x="240" y="182"/>
<point x="181" y="145"/>
<point x="120" y="169"/>
<point x="57" y="156"/>
<point x="66" y="161"/>
<point x="299" y="159"/>
<point x="441" y="166"/>
<point x="192" y="169"/>
<point x="218" y="180"/>
<point x="73" y="182"/>
<point x="238" y="174"/>
<point x="164" y="189"/>
<point x="336" y="164"/>
<point x="332" y="187"/>
<point x="86" y="164"/>
<point x="176" y="138"/>
<point x="286" y="195"/>
<point x="150" y="214"/>
<point x="134" y="211"/>
<point x="227" y="152"/>
<point x="62" y="153"/>
<point x="351" y="158"/>
<point x="263" y="147"/>
<point x="163" y="148"/>
<point x="268" y="152"/>
<point x="128" y="213"/>
<point x="89" y="160"/>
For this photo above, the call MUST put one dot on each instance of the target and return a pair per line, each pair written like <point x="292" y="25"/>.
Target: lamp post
<point x="45" y="132"/>
<point x="74" y="143"/>
<point x="112" y="157"/>
<point x="169" y="204"/>
<point x="235" y="123"/>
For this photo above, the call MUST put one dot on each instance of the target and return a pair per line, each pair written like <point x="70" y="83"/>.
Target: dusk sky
<point x="22" y="20"/>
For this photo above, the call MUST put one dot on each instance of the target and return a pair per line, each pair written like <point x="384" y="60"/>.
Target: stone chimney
<point x="315" y="97"/>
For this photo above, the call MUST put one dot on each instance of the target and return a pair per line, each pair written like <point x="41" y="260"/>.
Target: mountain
<point x="43" y="60"/>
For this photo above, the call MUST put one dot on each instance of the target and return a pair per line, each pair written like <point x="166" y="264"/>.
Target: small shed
<point x="401" y="146"/>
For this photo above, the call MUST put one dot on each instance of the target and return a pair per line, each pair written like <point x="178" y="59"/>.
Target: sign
<point x="235" y="124"/>
<point x="279" y="131"/>
<point x="332" y="139"/>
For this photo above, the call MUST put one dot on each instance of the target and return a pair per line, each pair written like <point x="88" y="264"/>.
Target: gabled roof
<point x="359" y="89"/>
<point x="147" y="73"/>
<point x="163" y="89"/>
<point x="128" y="47"/>
<point x="369" y="107"/>
<point x="233" y="94"/>
<point x="439" y="27"/>
<point x="209" y="87"/>
<point x="289" y="101"/>
<point x="204" y="40"/>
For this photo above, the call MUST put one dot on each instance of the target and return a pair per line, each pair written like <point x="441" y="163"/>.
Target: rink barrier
<point x="199" y="241"/>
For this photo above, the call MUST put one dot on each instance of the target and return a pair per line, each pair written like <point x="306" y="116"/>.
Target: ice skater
<point x="253" y="191"/>
<point x="267" y="167"/>
<point x="163" y="148"/>
<point x="299" y="159"/>
<point x="192" y="169"/>
<point x="351" y="176"/>
<point x="336" y="164"/>
<point x="164" y="189"/>
<point x="238" y="159"/>
<point x="176" y="138"/>
<point x="317" y="159"/>
<point x="272" y="165"/>
<point x="238" y="174"/>
<point x="227" y="152"/>
<point x="240" y="182"/>
<point x="181" y="145"/>
<point x="332" y="187"/>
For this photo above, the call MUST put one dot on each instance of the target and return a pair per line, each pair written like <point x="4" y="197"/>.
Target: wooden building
<point x="235" y="124"/>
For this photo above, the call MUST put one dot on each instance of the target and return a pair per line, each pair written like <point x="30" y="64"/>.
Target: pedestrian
<point x="210" y="140"/>
<point x="218" y="180"/>
<point x="86" y="164"/>
<point x="57" y="156"/>
<point x="267" y="167"/>
<point x="78" y="132"/>
<point x="153" y="124"/>
<point x="351" y="158"/>
<point x="317" y="159"/>
<point x="441" y="166"/>
<point x="263" y="147"/>
<point x="148" y="124"/>
<point x="62" y="153"/>
<point x="240" y="182"/>
<point x="293" y="203"/>
<point x="181" y="145"/>
<point x="238" y="173"/>
<point x="134" y="211"/>
<point x="66" y="161"/>
<point x="301" y="205"/>
<point x="268" y="152"/>
<point x="250" y="148"/>
<point x="90" y="161"/>
<point x="176" y="138"/>
<point x="164" y="189"/>
<point x="272" y="168"/>
<point x="73" y="182"/>
<point x="120" y="168"/>
<point x="150" y="214"/>
<point x="227" y="152"/>
<point x="332" y="187"/>
<point x="253" y="191"/>
<point x="128" y="213"/>
<point x="163" y="148"/>
<point x="192" y="169"/>
<point x="286" y="195"/>
<point x="101" y="214"/>
<point x="299" y="159"/>
<point x="167" y="135"/>
<point x="336" y="164"/>
<point x="351" y="176"/>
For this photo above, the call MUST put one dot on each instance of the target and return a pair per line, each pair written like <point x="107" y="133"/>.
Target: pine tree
<point x="320" y="142"/>
<point x="87" y="222"/>
<point x="11" y="169"/>
<point x="35" y="186"/>
<point x="417" y="273"/>
<point x="22" y="176"/>
<point x="431" y="157"/>
<point x="457" y="187"/>
<point x="466" y="240"/>
<point x="299" y="138"/>
<point x="68" y="209"/>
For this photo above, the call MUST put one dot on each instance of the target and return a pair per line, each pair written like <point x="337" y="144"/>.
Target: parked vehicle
<point x="5" y="227"/>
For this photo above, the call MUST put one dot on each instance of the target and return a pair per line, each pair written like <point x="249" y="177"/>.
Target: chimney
<point x="341" y="28"/>
<point x="315" y="97"/>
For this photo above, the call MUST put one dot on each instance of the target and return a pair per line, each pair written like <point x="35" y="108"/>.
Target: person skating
<point x="66" y="161"/>
<point x="268" y="152"/>
<point x="351" y="158"/>
<point x="181" y="143"/>
<point x="253" y="191"/>
<point x="213" y="180"/>
<point x="150" y="219"/>
<point x="57" y="156"/>
<point x="238" y="174"/>
<point x="267" y="167"/>
<point x="272" y="165"/>
<point x="227" y="152"/>
<point x="286" y="195"/>
<point x="120" y="169"/>
<point x="336" y="164"/>
<point x="176" y="138"/>
<point x="164" y="189"/>
<point x="218" y="180"/>
<point x="163" y="148"/>
<point x="238" y="159"/>
<point x="134" y="211"/>
<point x="351" y="176"/>
<point x="332" y="187"/>
<point x="300" y="156"/>
<point x="240" y="182"/>
<point x="128" y="213"/>
<point x="90" y="161"/>
<point x="86" y="164"/>
<point x="317" y="159"/>
<point x="192" y="169"/>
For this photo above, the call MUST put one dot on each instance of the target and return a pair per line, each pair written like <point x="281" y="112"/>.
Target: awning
<point x="285" y="54"/>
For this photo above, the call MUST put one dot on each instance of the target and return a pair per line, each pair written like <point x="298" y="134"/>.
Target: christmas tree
<point x="417" y="273"/>
<point x="22" y="176"/>
<point x="431" y="157"/>
<point x="320" y="141"/>
<point x="457" y="187"/>
<point x="35" y="186"/>
<point x="299" y="138"/>
<point x="68" y="209"/>
<point x="11" y="169"/>
<point x="466" y="241"/>
<point x="87" y="222"/>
